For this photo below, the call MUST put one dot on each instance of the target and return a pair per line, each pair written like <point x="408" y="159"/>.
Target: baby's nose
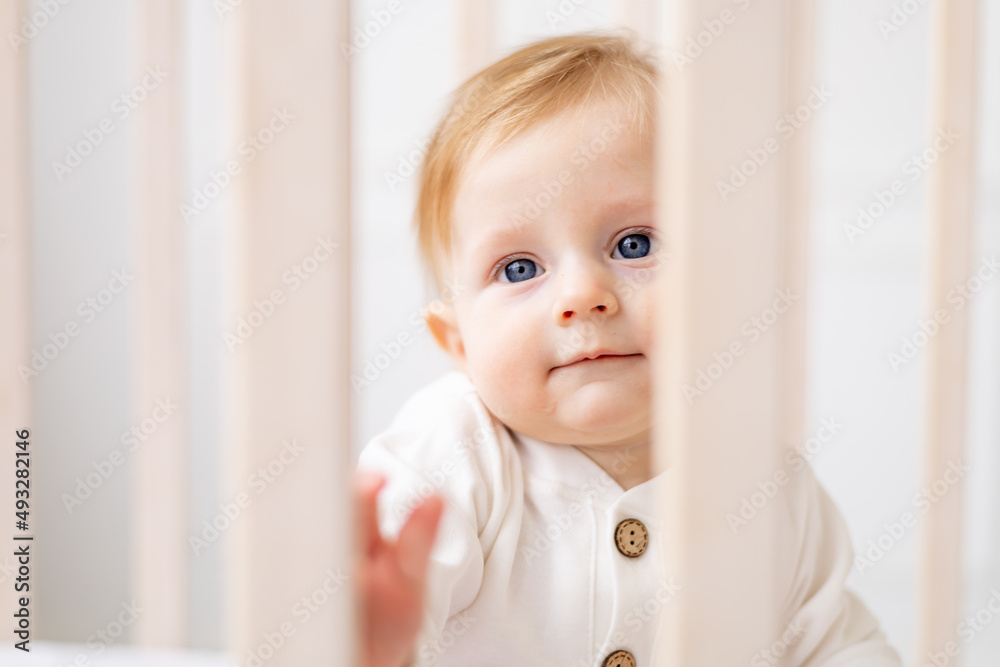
<point x="583" y="297"/>
<point x="599" y="308"/>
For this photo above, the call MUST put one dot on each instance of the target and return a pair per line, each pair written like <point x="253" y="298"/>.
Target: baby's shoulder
<point x="444" y="418"/>
<point x="444" y="436"/>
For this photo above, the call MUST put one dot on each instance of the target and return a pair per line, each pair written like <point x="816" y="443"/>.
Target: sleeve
<point x="444" y="441"/>
<point x="829" y="626"/>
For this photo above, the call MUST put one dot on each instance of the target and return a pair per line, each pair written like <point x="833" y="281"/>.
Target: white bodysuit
<point x="526" y="571"/>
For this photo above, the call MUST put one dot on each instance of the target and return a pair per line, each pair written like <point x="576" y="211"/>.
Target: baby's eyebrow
<point x="497" y="237"/>
<point x="494" y="236"/>
<point x="629" y="203"/>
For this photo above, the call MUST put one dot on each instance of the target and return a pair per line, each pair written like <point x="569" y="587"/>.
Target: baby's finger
<point x="366" y="488"/>
<point x="416" y="538"/>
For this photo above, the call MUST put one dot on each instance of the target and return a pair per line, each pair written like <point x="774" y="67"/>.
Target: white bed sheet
<point x="65" y="654"/>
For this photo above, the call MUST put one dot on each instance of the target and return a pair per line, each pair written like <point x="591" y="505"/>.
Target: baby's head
<point x="536" y="211"/>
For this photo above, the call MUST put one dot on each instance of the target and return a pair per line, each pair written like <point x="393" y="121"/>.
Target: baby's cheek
<point x="505" y="361"/>
<point x="644" y="318"/>
<point x="504" y="367"/>
<point x="488" y="355"/>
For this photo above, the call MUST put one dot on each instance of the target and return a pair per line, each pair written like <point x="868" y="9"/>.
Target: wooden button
<point x="619" y="659"/>
<point x="631" y="538"/>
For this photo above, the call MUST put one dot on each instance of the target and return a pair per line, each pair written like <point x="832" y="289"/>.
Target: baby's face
<point x="554" y="249"/>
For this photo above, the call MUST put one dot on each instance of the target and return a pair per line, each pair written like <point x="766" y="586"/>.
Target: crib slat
<point x="951" y="187"/>
<point x="638" y="15"/>
<point x="285" y="274"/>
<point x="725" y="417"/>
<point x="476" y="39"/>
<point x="160" y="488"/>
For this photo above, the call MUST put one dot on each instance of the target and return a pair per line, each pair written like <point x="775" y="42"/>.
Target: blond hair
<point x="532" y="84"/>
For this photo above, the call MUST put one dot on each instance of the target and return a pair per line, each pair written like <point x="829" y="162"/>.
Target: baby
<point x="536" y="209"/>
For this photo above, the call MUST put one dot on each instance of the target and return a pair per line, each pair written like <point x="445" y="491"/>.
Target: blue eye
<point x="633" y="246"/>
<point x="519" y="270"/>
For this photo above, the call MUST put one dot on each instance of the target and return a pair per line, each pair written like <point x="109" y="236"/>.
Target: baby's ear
<point x="444" y="327"/>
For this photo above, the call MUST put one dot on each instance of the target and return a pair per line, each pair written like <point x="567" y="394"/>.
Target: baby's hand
<point x="390" y="576"/>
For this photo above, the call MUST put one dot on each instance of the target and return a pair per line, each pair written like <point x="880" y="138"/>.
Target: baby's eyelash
<point x="495" y="271"/>
<point x="501" y="263"/>
<point x="648" y="231"/>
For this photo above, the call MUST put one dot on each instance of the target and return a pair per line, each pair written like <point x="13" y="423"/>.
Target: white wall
<point x="80" y="235"/>
<point x="867" y="294"/>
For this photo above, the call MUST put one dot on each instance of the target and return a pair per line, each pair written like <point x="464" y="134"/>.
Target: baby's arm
<point x="833" y="626"/>
<point x="444" y="442"/>
<point x="390" y="576"/>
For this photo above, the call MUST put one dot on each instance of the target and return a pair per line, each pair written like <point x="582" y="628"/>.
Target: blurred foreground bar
<point x="285" y="374"/>
<point x="637" y="15"/>
<point x="476" y="40"/>
<point x="160" y="494"/>
<point x="733" y="193"/>
<point x="952" y="178"/>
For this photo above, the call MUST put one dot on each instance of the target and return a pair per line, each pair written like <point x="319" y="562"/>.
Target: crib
<point x="731" y="67"/>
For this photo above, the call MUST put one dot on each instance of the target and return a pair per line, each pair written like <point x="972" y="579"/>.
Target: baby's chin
<point x="586" y="425"/>
<point x="617" y="435"/>
<point x="575" y="409"/>
<point x="600" y="404"/>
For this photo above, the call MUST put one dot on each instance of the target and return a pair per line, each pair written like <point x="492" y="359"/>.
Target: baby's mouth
<point x="599" y="358"/>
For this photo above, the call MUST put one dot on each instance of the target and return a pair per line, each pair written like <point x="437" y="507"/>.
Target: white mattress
<point x="64" y="654"/>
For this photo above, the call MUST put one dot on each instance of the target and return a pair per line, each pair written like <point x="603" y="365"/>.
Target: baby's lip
<point x="597" y="354"/>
